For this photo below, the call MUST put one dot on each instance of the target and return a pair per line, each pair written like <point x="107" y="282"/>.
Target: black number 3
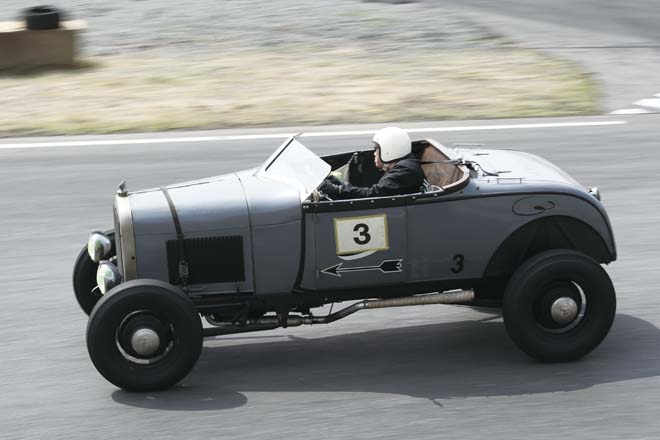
<point x="364" y="236"/>
<point x="458" y="259"/>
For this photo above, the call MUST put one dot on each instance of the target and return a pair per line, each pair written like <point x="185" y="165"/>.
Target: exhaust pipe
<point x="270" y="322"/>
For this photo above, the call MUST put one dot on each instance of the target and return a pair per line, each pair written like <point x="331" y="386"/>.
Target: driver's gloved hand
<point x="333" y="179"/>
<point x="329" y="188"/>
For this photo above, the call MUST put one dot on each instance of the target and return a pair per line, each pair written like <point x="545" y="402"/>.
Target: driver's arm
<point x="401" y="179"/>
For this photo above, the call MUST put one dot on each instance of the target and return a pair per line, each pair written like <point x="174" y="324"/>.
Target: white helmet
<point x="394" y="143"/>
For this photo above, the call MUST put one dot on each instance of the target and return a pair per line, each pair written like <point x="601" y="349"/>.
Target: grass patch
<point x="119" y="94"/>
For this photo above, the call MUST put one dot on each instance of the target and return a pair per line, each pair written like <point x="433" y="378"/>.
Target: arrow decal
<point x="387" y="266"/>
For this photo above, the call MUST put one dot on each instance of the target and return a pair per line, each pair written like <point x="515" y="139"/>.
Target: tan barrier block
<point x="22" y="48"/>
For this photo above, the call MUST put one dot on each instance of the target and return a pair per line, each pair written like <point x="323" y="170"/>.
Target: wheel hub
<point x="145" y="341"/>
<point x="143" y="336"/>
<point x="564" y="310"/>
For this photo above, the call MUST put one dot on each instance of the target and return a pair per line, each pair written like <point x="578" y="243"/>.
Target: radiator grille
<point x="210" y="259"/>
<point x="120" y="262"/>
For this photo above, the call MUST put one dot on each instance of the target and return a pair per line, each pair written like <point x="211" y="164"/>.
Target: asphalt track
<point x="611" y="17"/>
<point x="616" y="41"/>
<point x="415" y="373"/>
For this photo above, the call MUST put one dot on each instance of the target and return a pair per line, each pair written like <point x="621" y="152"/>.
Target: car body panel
<point x="214" y="207"/>
<point x="361" y="269"/>
<point x="265" y="213"/>
<point x="270" y="202"/>
<point x="456" y="239"/>
<point x="292" y="246"/>
<point x="277" y="251"/>
<point x="512" y="164"/>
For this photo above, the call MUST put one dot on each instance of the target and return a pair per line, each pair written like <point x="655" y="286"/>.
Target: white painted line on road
<point x="651" y="103"/>
<point x="630" y="111"/>
<point x="471" y="128"/>
<point x="643" y="106"/>
<point x="173" y="140"/>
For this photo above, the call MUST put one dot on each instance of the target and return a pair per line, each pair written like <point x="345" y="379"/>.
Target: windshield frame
<point x="317" y="168"/>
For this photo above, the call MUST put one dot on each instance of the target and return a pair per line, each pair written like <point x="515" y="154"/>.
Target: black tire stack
<point x="39" y="18"/>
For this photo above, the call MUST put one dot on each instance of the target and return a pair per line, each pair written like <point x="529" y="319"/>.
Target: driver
<point x="392" y="154"/>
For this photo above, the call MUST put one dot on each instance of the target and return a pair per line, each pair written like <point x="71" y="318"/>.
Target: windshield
<point x="294" y="164"/>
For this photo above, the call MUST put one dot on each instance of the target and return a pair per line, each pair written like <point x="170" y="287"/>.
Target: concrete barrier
<point x="21" y="48"/>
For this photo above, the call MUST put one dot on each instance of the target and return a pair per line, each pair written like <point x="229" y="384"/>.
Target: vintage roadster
<point x="258" y="249"/>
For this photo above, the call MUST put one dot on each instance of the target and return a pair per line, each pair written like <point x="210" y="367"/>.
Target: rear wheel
<point x="559" y="305"/>
<point x="84" y="277"/>
<point x="144" y="335"/>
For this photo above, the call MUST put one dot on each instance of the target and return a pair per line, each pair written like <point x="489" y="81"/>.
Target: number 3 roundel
<point x="361" y="234"/>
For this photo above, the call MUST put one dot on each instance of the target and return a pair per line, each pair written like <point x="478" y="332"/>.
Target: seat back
<point x="437" y="173"/>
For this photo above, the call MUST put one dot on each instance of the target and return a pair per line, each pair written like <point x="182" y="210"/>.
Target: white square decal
<point x="361" y="234"/>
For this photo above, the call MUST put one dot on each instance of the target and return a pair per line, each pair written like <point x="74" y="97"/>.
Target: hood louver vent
<point x="210" y="260"/>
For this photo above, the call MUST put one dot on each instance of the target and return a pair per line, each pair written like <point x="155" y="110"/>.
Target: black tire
<point x="176" y="318"/>
<point x="84" y="278"/>
<point x="539" y="282"/>
<point x="41" y="18"/>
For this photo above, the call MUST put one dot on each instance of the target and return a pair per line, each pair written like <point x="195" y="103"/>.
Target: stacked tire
<point x="41" y="18"/>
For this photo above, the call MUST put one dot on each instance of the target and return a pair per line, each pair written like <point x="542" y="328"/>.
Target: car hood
<point x="236" y="200"/>
<point x="205" y="205"/>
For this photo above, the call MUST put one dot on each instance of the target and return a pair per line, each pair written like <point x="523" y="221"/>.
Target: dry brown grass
<point x="115" y="94"/>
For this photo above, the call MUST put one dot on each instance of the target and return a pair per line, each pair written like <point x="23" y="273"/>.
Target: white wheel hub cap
<point x="564" y="310"/>
<point x="145" y="341"/>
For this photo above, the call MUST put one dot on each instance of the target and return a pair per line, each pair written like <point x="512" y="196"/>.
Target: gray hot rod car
<point x="258" y="249"/>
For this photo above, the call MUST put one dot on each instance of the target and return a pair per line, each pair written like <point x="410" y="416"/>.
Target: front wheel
<point x="559" y="305"/>
<point x="144" y="335"/>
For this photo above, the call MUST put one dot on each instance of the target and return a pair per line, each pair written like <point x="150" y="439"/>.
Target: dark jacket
<point x="405" y="177"/>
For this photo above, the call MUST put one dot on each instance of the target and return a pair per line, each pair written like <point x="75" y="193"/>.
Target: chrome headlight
<point x="107" y="276"/>
<point x="98" y="246"/>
